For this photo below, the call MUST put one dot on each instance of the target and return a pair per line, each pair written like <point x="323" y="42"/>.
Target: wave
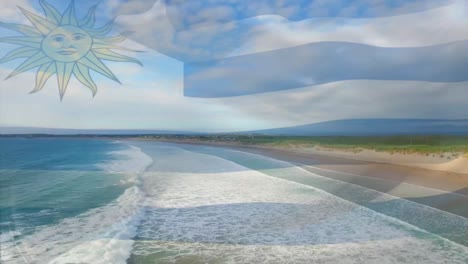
<point x="209" y="206"/>
<point x="130" y="160"/>
<point x="442" y="223"/>
<point x="241" y="215"/>
<point x="100" y="235"/>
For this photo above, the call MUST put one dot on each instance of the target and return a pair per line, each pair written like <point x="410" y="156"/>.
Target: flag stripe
<point x="187" y="14"/>
<point x="324" y="62"/>
<point x="213" y="41"/>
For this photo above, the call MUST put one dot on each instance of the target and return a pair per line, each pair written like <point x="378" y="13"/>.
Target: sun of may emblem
<point x="63" y="45"/>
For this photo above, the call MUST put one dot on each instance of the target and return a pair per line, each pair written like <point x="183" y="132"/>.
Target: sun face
<point x="67" y="44"/>
<point x="63" y="45"/>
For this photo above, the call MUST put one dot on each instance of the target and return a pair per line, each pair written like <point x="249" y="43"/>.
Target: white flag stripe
<point x="437" y="26"/>
<point x="332" y="101"/>
<point x="349" y="100"/>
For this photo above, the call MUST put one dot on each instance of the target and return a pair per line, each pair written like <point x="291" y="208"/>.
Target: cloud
<point x="189" y="14"/>
<point x="184" y="45"/>
<point x="10" y="13"/>
<point x="152" y="97"/>
<point x="196" y="30"/>
<point x="436" y="26"/>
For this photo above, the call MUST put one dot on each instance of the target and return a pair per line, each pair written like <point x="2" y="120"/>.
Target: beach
<point x="446" y="162"/>
<point x="444" y="190"/>
<point x="223" y="205"/>
<point x="192" y="203"/>
<point x="445" y="171"/>
<point x="451" y="158"/>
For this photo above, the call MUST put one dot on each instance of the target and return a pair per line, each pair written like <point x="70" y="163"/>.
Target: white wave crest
<point x="100" y="235"/>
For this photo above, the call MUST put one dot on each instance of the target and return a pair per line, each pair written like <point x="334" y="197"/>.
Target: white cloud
<point x="163" y="36"/>
<point x="436" y="26"/>
<point x="206" y="38"/>
<point x="150" y="99"/>
<point x="10" y="13"/>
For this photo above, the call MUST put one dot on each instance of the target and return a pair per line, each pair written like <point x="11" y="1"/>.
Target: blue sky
<point x="152" y="96"/>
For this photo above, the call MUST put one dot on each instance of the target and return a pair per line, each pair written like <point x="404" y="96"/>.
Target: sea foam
<point x="198" y="208"/>
<point x="100" y="235"/>
<point x="130" y="160"/>
<point x="221" y="212"/>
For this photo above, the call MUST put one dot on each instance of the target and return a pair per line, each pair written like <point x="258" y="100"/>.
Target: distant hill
<point x="348" y="127"/>
<point x="375" y="127"/>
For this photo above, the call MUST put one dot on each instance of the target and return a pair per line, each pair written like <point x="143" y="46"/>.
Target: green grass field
<point x="419" y="144"/>
<point x="401" y="144"/>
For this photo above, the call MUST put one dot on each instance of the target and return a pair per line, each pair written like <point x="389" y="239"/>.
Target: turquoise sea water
<point x="45" y="180"/>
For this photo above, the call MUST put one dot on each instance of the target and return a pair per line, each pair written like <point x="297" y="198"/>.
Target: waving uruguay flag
<point x="242" y="47"/>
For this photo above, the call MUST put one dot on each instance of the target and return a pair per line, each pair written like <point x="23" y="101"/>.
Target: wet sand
<point x="219" y="205"/>
<point x="446" y="191"/>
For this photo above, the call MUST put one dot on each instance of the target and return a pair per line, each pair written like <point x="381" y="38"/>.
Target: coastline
<point x="354" y="166"/>
<point x="443" y="162"/>
<point x="446" y="191"/>
<point x="220" y="196"/>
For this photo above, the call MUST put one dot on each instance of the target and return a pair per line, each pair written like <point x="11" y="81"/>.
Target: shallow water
<point x="213" y="210"/>
<point x="150" y="202"/>
<point x="58" y="194"/>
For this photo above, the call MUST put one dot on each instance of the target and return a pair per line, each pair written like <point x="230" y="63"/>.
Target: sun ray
<point x="117" y="39"/>
<point x="93" y="62"/>
<point x="69" y="17"/>
<point x="25" y="30"/>
<point x="23" y="41"/>
<point x="90" y="18"/>
<point x="64" y="71"/>
<point x="113" y="56"/>
<point x="52" y="14"/>
<point x="43" y="25"/>
<point x="82" y="74"/>
<point x="104" y="30"/>
<point x="43" y="74"/>
<point x="97" y="44"/>
<point x="63" y="45"/>
<point x="32" y="62"/>
<point x="23" y="52"/>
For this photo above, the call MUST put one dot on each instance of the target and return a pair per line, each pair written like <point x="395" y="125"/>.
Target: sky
<point x="215" y="67"/>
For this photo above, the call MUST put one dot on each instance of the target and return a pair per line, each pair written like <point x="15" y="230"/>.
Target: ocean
<point x="106" y="201"/>
<point x="60" y="194"/>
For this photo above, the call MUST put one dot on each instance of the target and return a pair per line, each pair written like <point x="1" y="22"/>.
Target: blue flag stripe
<point x="324" y="62"/>
<point x="186" y="14"/>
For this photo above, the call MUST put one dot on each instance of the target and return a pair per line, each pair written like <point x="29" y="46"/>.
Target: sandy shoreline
<point x="444" y="162"/>
<point x="447" y="191"/>
<point x="352" y="164"/>
<point x="219" y="205"/>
